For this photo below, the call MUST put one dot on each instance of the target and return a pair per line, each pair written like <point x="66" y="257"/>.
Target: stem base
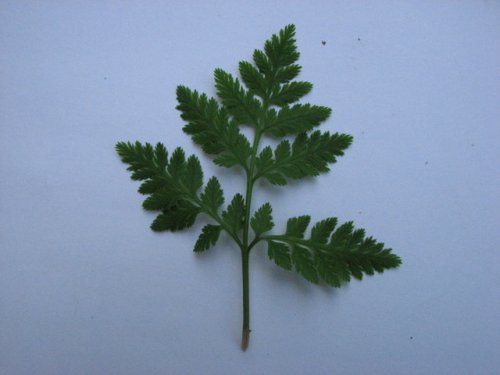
<point x="245" y="338"/>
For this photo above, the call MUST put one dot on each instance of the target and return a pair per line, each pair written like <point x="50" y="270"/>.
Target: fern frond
<point x="266" y="99"/>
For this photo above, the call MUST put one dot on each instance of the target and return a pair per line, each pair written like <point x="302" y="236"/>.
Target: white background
<point x="87" y="288"/>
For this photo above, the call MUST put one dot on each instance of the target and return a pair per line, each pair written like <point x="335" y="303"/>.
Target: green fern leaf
<point x="253" y="79"/>
<point x="170" y="184"/>
<point x="192" y="178"/>
<point x="176" y="217"/>
<point x="280" y="254"/>
<point x="286" y="73"/>
<point x="296" y="226"/>
<point x="210" y="127"/>
<point x="281" y="49"/>
<point x="263" y="64"/>
<point x="299" y="118"/>
<point x="304" y="263"/>
<point x="322" y="230"/>
<point x="307" y="156"/>
<point x="241" y="104"/>
<point x="333" y="258"/>
<point x="208" y="237"/>
<point x="235" y="213"/>
<point x="177" y="163"/>
<point x="290" y="93"/>
<point x="268" y="100"/>
<point x="213" y="196"/>
<point x="262" y="220"/>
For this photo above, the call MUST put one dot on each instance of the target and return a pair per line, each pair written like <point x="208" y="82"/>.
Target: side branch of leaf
<point x="195" y="200"/>
<point x="307" y="156"/>
<point x="210" y="127"/>
<point x="168" y="181"/>
<point x="218" y="219"/>
<point x="335" y="262"/>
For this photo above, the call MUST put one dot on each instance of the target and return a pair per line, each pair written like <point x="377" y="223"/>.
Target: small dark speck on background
<point x="105" y="78"/>
<point x="359" y="39"/>
<point x="426" y="162"/>
<point x="323" y="42"/>
<point x="411" y="337"/>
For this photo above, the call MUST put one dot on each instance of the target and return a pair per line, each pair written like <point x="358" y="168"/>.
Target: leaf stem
<point x="193" y="198"/>
<point x="255" y="241"/>
<point x="324" y="248"/>
<point x="249" y="190"/>
<point x="299" y="241"/>
<point x="245" y="335"/>
<point x="245" y="249"/>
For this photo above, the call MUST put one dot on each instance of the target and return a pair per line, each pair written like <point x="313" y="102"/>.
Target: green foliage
<point x="169" y="183"/>
<point x="234" y="216"/>
<point x="262" y="221"/>
<point x="267" y="100"/>
<point x="212" y="129"/>
<point x="307" y="156"/>
<point x="280" y="253"/>
<point x="332" y="256"/>
<point x="208" y="237"/>
<point x="241" y="104"/>
<point x="299" y="118"/>
<point x="175" y="217"/>
<point x="212" y="196"/>
<point x="296" y="226"/>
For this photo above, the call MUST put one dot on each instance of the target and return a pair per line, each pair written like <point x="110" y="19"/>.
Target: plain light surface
<point x="87" y="288"/>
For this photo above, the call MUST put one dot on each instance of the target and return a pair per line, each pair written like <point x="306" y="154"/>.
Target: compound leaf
<point x="332" y="257"/>
<point x="266" y="97"/>
<point x="170" y="184"/>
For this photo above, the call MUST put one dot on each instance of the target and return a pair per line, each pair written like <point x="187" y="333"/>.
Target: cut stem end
<point x="245" y="338"/>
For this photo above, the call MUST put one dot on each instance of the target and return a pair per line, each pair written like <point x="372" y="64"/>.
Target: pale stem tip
<point x="245" y="338"/>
